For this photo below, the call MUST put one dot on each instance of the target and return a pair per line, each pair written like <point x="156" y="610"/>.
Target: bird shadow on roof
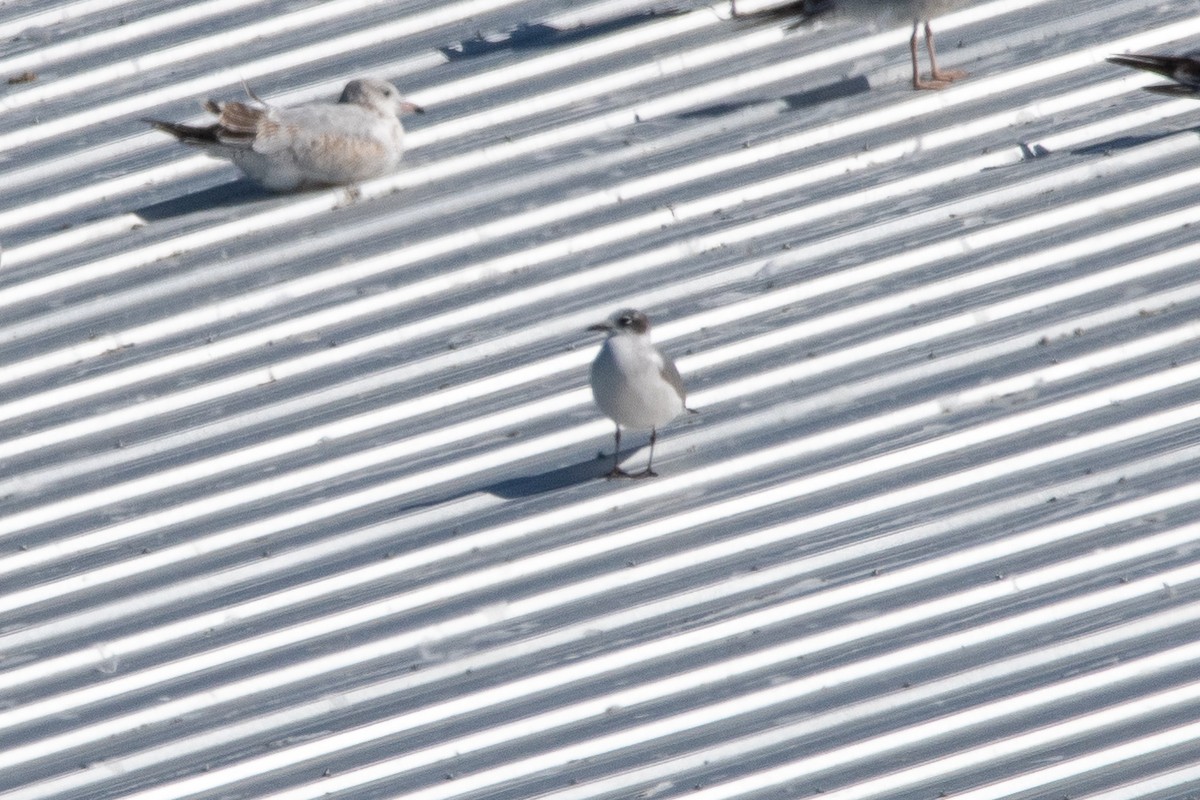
<point x="230" y="196"/>
<point x="1127" y="142"/>
<point x="797" y="101"/>
<point x="846" y="87"/>
<point x="797" y="14"/>
<point x="721" y="109"/>
<point x="593" y="469"/>
<point x="527" y="36"/>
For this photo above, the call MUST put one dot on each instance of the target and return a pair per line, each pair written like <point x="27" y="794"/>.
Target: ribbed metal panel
<point x="301" y="495"/>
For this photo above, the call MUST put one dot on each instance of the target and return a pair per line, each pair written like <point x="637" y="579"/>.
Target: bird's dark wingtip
<point x="1174" y="90"/>
<point x="1161" y="65"/>
<point x="184" y="133"/>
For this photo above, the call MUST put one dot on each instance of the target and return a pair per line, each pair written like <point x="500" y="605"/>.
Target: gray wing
<point x="670" y="374"/>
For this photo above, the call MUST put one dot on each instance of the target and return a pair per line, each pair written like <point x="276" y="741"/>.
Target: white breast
<point x="628" y="385"/>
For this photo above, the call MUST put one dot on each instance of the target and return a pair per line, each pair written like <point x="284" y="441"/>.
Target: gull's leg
<point x="940" y="76"/>
<point x="617" y="472"/>
<point x="649" y="472"/>
<point x="916" y="64"/>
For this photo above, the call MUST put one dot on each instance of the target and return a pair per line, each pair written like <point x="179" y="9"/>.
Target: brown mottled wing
<point x="238" y="124"/>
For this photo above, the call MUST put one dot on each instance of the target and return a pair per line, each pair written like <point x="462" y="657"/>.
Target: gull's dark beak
<point x="603" y="326"/>
<point x="413" y="107"/>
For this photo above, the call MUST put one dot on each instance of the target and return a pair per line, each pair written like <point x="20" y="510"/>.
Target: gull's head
<point x="626" y="322"/>
<point x="379" y="95"/>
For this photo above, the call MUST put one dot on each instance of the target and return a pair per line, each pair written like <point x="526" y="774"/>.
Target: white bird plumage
<point x="315" y="144"/>
<point x="634" y="383"/>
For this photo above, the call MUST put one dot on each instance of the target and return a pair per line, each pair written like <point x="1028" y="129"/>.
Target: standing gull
<point x="1181" y="69"/>
<point x="305" y="146"/>
<point x="635" y="384"/>
<point x="919" y="11"/>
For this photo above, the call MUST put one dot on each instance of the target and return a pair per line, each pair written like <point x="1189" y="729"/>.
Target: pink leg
<point x="941" y="76"/>
<point x="916" y="64"/>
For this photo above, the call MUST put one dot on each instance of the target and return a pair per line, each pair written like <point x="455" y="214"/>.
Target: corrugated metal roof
<point x="301" y="493"/>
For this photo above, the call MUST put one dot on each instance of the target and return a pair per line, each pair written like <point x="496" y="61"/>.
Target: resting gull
<point x="314" y="144"/>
